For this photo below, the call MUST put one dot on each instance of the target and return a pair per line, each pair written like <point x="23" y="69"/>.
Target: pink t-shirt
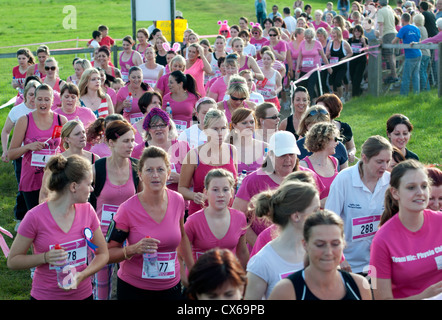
<point x="39" y="225"/>
<point x="202" y="239"/>
<point x="412" y="260"/>
<point x="310" y="58"/>
<point x="162" y="84"/>
<point x="219" y="87"/>
<point x="196" y="70"/>
<point x="132" y="216"/>
<point x="281" y="47"/>
<point x="322" y="24"/>
<point x="112" y="94"/>
<point x="181" y="110"/>
<point x="85" y="115"/>
<point x="135" y="113"/>
<point x="101" y="149"/>
<point x="259" y="44"/>
<point x="263" y="238"/>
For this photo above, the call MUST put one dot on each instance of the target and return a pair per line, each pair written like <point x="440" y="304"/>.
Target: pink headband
<point x="155" y="112"/>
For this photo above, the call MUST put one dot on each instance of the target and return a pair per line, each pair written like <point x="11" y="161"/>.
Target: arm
<point x="241" y="205"/>
<point x="207" y="67"/>
<point x="110" y="105"/>
<point x="348" y="49"/>
<point x="298" y="65"/>
<point x="185" y="252"/>
<point x="256" y="287"/>
<point x="16" y="150"/>
<point x="187" y="171"/>
<point x="137" y="59"/>
<point x="283" y="125"/>
<point x="351" y="150"/>
<point x="44" y="192"/>
<point x="255" y="68"/>
<point x="242" y="252"/>
<point x="283" y="291"/>
<point x="5" y="138"/>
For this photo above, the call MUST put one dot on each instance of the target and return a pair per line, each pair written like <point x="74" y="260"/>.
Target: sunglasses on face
<point x="237" y="99"/>
<point x="53" y="68"/>
<point x="273" y="35"/>
<point x="276" y="116"/>
<point x="314" y="112"/>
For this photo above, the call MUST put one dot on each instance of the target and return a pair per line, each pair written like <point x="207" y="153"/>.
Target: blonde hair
<point x="84" y="80"/>
<point x="67" y="129"/>
<point x="238" y="84"/>
<point x="218" y="173"/>
<point x="212" y="115"/>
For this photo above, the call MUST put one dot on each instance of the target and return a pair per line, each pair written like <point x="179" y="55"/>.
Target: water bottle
<point x="130" y="99"/>
<point x="150" y="264"/>
<point x="63" y="271"/>
<point x="15" y="81"/>
<point x="240" y="179"/>
<point x="169" y="110"/>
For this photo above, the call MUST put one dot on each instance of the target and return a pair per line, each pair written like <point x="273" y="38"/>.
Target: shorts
<point x="388" y="38"/>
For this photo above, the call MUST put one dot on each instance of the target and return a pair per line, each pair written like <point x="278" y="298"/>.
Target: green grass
<point x="42" y="21"/>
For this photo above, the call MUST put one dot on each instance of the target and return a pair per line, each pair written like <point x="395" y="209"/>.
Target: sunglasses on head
<point x="237" y="99"/>
<point x="53" y="68"/>
<point x="316" y="111"/>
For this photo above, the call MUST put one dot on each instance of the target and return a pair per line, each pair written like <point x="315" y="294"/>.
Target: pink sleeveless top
<point x="200" y="173"/>
<point x="38" y="73"/>
<point x="227" y="110"/>
<point x="124" y="66"/>
<point x="34" y="162"/>
<point x="245" y="66"/>
<point x="111" y="196"/>
<point x="196" y="70"/>
<point x="327" y="181"/>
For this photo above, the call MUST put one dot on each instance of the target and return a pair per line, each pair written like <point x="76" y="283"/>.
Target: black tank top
<point x="290" y="128"/>
<point x="303" y="292"/>
<point x="337" y="53"/>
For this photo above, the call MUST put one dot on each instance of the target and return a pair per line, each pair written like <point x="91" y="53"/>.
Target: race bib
<point x="356" y="47"/>
<point x="364" y="227"/>
<point x="135" y="117"/>
<point x="307" y="63"/>
<point x="41" y="158"/>
<point x="76" y="250"/>
<point x="166" y="266"/>
<point x="180" y="125"/>
<point x="334" y="60"/>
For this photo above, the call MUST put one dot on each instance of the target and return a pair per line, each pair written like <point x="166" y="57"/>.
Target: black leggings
<point x="125" y="291"/>
<point x="336" y="79"/>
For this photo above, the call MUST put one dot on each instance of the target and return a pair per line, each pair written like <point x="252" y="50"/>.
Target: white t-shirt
<point x="194" y="136"/>
<point x="250" y="50"/>
<point x="270" y="267"/>
<point x="290" y="23"/>
<point x="361" y="210"/>
<point x="18" y="111"/>
<point x="150" y="76"/>
<point x="256" y="98"/>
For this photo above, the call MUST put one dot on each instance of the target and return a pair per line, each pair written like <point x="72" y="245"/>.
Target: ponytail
<point x="391" y="207"/>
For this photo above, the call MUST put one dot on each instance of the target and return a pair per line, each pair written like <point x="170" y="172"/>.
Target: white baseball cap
<point x="283" y="142"/>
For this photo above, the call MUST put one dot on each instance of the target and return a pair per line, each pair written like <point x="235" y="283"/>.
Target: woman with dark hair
<point x="357" y="66"/>
<point x="25" y="59"/>
<point x="396" y="157"/>
<point x="300" y="102"/>
<point x="435" y="202"/>
<point x="181" y="98"/>
<point x="103" y="57"/>
<point x="217" y="275"/>
<point x="128" y="57"/>
<point x="399" y="129"/>
<point x="127" y="96"/>
<point x="197" y="66"/>
<point x="407" y="265"/>
<point x="148" y="101"/>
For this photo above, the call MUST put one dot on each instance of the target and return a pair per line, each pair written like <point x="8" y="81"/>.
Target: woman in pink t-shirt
<point x="181" y="99"/>
<point x="197" y="65"/>
<point x="66" y="220"/>
<point x="293" y="46"/>
<point x="257" y="39"/>
<point x="150" y="222"/>
<point x="25" y="59"/>
<point x="309" y="58"/>
<point x="177" y="63"/>
<point x="218" y="225"/>
<point x="218" y="88"/>
<point x="70" y="106"/>
<point x="407" y="265"/>
<point x="127" y="96"/>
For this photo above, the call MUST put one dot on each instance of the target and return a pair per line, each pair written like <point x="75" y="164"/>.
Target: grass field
<point x="42" y="21"/>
